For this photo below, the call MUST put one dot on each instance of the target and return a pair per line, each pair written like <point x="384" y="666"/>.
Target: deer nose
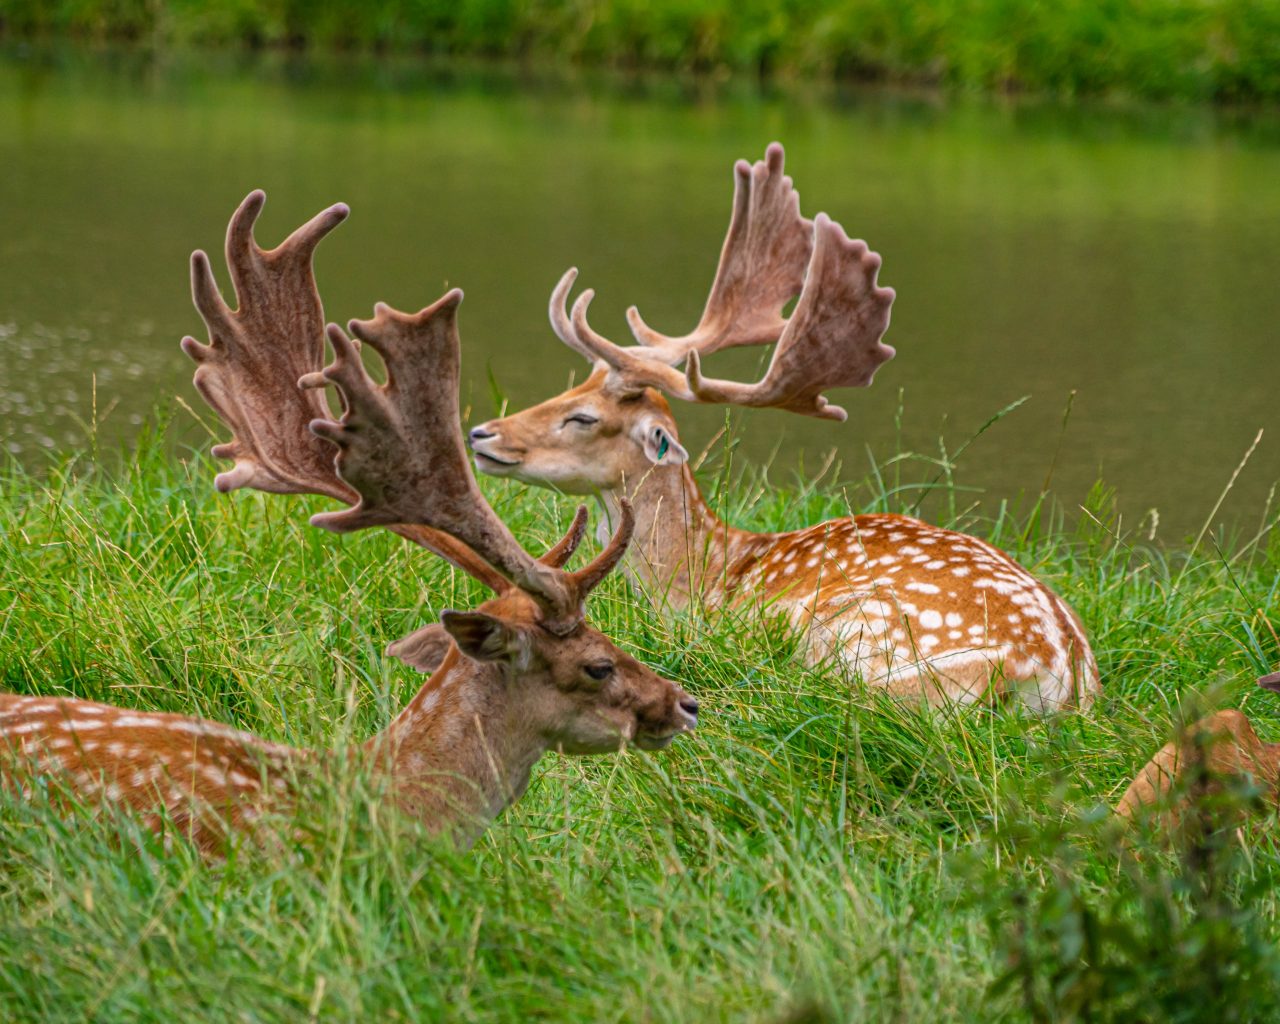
<point x="689" y="706"/>
<point x="480" y="433"/>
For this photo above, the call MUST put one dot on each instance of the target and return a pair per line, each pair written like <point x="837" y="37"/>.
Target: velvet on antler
<point x="249" y="370"/>
<point x="261" y="372"/>
<point x="831" y="340"/>
<point x="761" y="267"/>
<point x="400" y="449"/>
<point x="771" y="254"/>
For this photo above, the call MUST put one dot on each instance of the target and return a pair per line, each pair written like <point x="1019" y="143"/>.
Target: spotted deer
<point x="916" y="609"/>
<point x="1219" y="747"/>
<point x="520" y="675"/>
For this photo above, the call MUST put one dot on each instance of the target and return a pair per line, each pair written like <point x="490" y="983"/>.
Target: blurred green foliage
<point x="1194" y="49"/>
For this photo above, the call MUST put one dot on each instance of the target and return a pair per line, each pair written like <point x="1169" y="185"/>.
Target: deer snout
<point x="686" y="712"/>
<point x="493" y="455"/>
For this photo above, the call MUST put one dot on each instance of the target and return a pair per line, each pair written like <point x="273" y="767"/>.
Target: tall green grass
<point x="814" y="852"/>
<point x="1199" y="49"/>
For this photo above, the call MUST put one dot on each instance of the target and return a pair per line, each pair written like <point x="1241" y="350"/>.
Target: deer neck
<point x="681" y="549"/>
<point x="461" y="751"/>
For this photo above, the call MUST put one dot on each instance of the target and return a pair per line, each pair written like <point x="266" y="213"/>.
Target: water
<point x="1126" y="255"/>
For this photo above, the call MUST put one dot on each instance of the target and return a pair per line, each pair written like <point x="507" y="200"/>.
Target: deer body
<point x="520" y="675"/>
<point x="1220" y="746"/>
<point x="919" y="610"/>
<point x="207" y="779"/>
<point x="460" y="752"/>
<point x="923" y="611"/>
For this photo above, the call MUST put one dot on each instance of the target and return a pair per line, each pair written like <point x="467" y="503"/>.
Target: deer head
<point x="396" y="458"/>
<point x="579" y="693"/>
<point x="617" y="425"/>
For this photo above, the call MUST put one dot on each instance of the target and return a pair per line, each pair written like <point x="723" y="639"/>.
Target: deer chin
<point x="659" y="741"/>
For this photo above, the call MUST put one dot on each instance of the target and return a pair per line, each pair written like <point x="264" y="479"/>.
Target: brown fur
<point x="460" y="751"/>
<point x="921" y="611"/>
<point x="1224" y="744"/>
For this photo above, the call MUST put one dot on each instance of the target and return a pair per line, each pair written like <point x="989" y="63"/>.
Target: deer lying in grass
<point x="1217" y="748"/>
<point x="919" y="610"/>
<point x="523" y="674"/>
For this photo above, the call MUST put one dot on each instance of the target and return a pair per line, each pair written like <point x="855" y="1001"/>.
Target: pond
<point x="1126" y="255"/>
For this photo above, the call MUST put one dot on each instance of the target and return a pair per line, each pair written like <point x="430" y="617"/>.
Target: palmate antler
<point x="770" y="255"/>
<point x="400" y="448"/>
<point x="400" y="459"/>
<point x="762" y="267"/>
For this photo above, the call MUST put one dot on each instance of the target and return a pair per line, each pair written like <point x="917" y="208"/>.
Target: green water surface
<point x="1128" y="255"/>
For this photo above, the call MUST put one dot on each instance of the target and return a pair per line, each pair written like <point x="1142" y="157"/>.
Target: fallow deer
<point x="1219" y="747"/>
<point x="521" y="674"/>
<point x="914" y="608"/>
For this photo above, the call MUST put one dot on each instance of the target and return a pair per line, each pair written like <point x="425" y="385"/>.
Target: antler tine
<point x="565" y="547"/>
<point x="400" y="448"/>
<point x="634" y="367"/>
<point x="832" y="339"/>
<point x="761" y="267"/>
<point x="558" y="311"/>
<point x="589" y="577"/>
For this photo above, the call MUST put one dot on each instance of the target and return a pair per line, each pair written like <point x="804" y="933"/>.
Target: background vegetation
<point x="1196" y="49"/>
<point x="815" y="852"/>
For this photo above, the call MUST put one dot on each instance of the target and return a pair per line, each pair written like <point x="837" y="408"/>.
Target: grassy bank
<point x="815" y="852"/>
<point x="1194" y="49"/>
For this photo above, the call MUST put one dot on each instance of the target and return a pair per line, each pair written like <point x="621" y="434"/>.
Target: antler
<point x="249" y="370"/>
<point x="400" y="449"/>
<point x="761" y="267"/>
<point x="249" y="374"/>
<point x="832" y="339"/>
<point x="771" y="253"/>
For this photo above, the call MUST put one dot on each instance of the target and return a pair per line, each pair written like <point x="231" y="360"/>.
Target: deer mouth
<point x="487" y="463"/>
<point x="651" y="742"/>
<point x="661" y="740"/>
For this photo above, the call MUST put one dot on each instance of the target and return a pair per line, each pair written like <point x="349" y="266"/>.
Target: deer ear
<point x="482" y="637"/>
<point x="423" y="649"/>
<point x="659" y="443"/>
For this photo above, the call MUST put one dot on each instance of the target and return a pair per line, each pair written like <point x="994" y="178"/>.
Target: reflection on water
<point x="1126" y="255"/>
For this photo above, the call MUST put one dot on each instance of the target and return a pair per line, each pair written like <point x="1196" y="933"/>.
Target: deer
<point x="518" y="676"/>
<point x="920" y="611"/>
<point x="1209" y="752"/>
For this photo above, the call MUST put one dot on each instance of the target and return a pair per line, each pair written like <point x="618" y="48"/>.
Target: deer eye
<point x="600" y="670"/>
<point x="583" y="418"/>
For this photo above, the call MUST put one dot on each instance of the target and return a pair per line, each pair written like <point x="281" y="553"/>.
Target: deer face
<point x="579" y="692"/>
<point x="587" y="440"/>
